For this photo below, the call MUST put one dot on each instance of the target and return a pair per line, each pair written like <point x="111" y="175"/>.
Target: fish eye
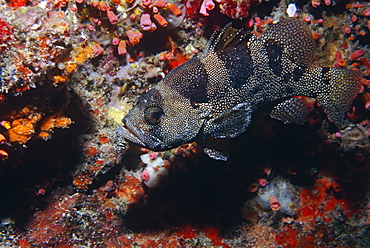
<point x="154" y="115"/>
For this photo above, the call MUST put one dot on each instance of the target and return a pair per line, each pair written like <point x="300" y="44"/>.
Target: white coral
<point x="156" y="170"/>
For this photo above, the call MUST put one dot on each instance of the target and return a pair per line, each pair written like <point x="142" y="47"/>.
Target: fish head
<point x="162" y="119"/>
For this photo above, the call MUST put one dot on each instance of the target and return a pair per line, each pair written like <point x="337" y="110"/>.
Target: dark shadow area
<point x="214" y="193"/>
<point x="209" y="194"/>
<point x="265" y="8"/>
<point x="42" y="165"/>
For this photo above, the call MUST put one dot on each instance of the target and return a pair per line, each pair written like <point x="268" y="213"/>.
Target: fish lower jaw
<point x="126" y="133"/>
<point x="136" y="136"/>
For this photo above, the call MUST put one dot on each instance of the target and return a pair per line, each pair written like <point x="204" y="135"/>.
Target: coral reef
<point x="69" y="72"/>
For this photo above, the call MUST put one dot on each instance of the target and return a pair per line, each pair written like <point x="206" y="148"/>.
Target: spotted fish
<point x="211" y="97"/>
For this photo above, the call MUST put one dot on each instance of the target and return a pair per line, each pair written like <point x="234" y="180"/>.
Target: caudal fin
<point x="337" y="90"/>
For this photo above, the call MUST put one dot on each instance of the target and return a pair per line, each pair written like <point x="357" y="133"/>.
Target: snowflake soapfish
<point x="211" y="97"/>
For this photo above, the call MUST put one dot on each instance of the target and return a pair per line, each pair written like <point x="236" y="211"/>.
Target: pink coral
<point x="153" y="155"/>
<point x="160" y="4"/>
<point x="161" y="20"/>
<point x="115" y="41"/>
<point x="145" y="175"/>
<point x="122" y="47"/>
<point x="156" y="12"/>
<point x="262" y="182"/>
<point x="174" y="9"/>
<point x="145" y="22"/>
<point x="356" y="54"/>
<point x="206" y="5"/>
<point x="98" y="50"/>
<point x="113" y="19"/>
<point x="146" y="3"/>
<point x="134" y="36"/>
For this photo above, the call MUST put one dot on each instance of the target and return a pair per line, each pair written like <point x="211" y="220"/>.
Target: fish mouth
<point x="136" y="135"/>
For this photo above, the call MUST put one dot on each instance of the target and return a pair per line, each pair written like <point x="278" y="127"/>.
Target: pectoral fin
<point x="230" y="123"/>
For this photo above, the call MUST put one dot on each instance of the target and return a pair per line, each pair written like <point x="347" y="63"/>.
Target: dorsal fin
<point x="226" y="37"/>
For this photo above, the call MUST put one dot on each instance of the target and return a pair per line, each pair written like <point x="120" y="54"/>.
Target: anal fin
<point x="293" y="110"/>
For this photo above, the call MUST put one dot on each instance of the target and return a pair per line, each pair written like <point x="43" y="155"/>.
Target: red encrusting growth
<point x="90" y="151"/>
<point x="320" y="201"/>
<point x="5" y="31"/>
<point x="17" y="3"/>
<point x="213" y="234"/>
<point x="187" y="232"/>
<point x="287" y="237"/>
